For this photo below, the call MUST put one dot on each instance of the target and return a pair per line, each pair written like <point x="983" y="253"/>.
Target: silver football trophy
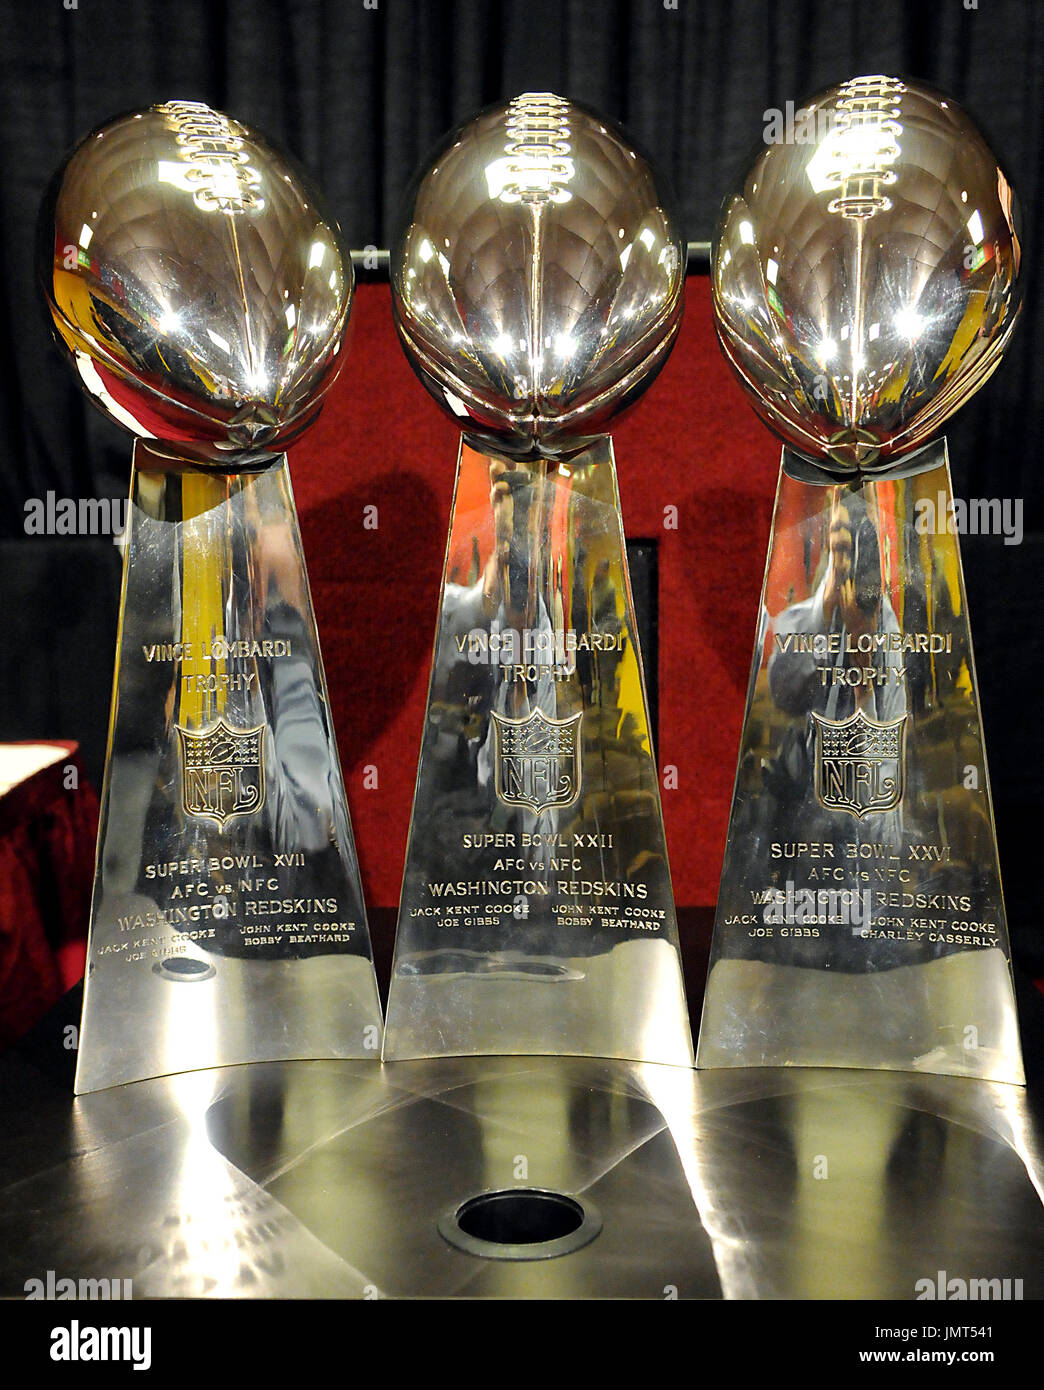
<point x="865" y="283"/>
<point x="537" y="284"/>
<point x="203" y="293"/>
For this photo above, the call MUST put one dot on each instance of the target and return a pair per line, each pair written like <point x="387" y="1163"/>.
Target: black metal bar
<point x="371" y="262"/>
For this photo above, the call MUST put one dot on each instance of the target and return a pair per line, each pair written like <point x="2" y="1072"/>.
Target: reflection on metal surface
<point x="204" y="295"/>
<point x="538" y="279"/>
<point x="197" y="280"/>
<point x="865" y="927"/>
<point x="328" y="1179"/>
<point x="158" y="1204"/>
<point x="537" y="287"/>
<point x="228" y="922"/>
<point x="866" y="283"/>
<point x="537" y="913"/>
<point x="827" y="1184"/>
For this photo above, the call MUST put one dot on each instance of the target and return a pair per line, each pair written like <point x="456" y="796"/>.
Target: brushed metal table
<point x="330" y="1179"/>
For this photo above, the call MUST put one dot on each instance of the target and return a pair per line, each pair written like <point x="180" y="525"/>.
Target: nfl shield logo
<point x="537" y="761"/>
<point x="859" y="763"/>
<point x="222" y="771"/>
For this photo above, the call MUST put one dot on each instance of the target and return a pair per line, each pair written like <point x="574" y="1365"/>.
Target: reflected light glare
<point x="975" y="230"/>
<point x="826" y="351"/>
<point x="94" y="384"/>
<point x="455" y="403"/>
<point x="647" y="238"/>
<point x="539" y="177"/>
<point x="425" y="250"/>
<point x="771" y="271"/>
<point x="315" y="256"/>
<point x="85" y="236"/>
<point x="868" y="146"/>
<point x="746" y="231"/>
<point x="909" y="323"/>
<point x="173" y="172"/>
<point x="224" y="183"/>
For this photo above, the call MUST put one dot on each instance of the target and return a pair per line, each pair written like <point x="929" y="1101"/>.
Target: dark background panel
<point x="360" y="94"/>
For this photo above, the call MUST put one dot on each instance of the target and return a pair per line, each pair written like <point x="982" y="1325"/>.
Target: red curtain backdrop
<point x="692" y="443"/>
<point x="47" y="834"/>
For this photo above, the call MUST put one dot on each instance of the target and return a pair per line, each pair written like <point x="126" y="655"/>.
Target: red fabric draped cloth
<point x="48" y="826"/>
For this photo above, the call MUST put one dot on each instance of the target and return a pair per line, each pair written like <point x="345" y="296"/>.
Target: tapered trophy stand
<point x="228" y="922"/>
<point x="537" y="913"/>
<point x="861" y="921"/>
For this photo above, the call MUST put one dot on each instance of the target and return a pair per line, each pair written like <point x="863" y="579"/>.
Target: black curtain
<point x="359" y="90"/>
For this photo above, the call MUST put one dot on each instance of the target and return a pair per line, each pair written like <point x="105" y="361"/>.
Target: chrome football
<point x="538" y="276"/>
<point x="196" y="279"/>
<point x="865" y="275"/>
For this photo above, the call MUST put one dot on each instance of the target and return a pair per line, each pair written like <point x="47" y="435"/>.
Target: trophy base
<point x="227" y="923"/>
<point x="860" y="921"/>
<point x="537" y="913"/>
